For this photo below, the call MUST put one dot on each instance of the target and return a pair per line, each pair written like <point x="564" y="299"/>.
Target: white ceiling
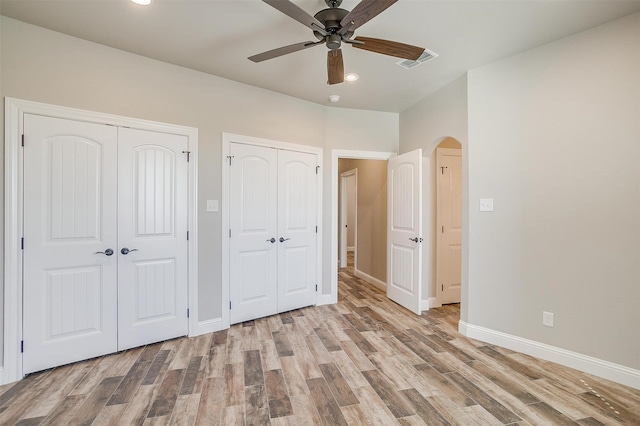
<point x="217" y="36"/>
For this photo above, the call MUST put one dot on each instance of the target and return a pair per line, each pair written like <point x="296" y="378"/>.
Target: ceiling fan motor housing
<point x="331" y="19"/>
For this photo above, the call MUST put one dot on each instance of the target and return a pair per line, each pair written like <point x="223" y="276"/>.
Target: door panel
<point x="297" y="199"/>
<point x="152" y="278"/>
<point x="449" y="222"/>
<point x="253" y="198"/>
<point x="69" y="288"/>
<point x="405" y="223"/>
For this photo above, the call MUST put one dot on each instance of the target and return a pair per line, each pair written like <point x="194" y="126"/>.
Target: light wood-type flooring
<point x="364" y="360"/>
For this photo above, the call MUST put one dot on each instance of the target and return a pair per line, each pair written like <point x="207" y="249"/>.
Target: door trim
<point x="227" y="139"/>
<point x="332" y="296"/>
<point x="13" y="223"/>
<point x="344" y="211"/>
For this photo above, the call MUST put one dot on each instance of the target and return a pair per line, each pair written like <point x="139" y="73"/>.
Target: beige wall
<point x="45" y="66"/>
<point x="554" y="138"/>
<point x="372" y="215"/>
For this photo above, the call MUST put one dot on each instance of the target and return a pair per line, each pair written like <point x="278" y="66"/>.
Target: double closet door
<point x="273" y="231"/>
<point x="105" y="240"/>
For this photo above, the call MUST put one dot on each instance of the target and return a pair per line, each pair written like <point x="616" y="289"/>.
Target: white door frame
<point x="336" y="154"/>
<point x="227" y="139"/>
<point x="13" y="213"/>
<point x="344" y="212"/>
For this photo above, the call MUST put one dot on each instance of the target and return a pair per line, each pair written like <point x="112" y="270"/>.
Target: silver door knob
<point x="271" y="240"/>
<point x="127" y="251"/>
<point x="107" y="252"/>
<point x="416" y="240"/>
<point x="282" y="239"/>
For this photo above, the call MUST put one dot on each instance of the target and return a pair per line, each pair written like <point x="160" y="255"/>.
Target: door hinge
<point x="22" y="142"/>
<point x="229" y="233"/>
<point x="187" y="312"/>
<point x="188" y="155"/>
<point x="443" y="229"/>
<point x="316" y="287"/>
<point x="442" y="169"/>
<point x="229" y="304"/>
<point x="441" y="287"/>
<point x="187" y="235"/>
<point x="317" y="168"/>
<point x="316" y="229"/>
<point x="229" y="157"/>
<point x="21" y="346"/>
<point x="22" y="244"/>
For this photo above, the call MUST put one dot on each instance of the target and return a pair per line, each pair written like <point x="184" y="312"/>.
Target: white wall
<point x="554" y="138"/>
<point x="45" y="66"/>
<point x="425" y="125"/>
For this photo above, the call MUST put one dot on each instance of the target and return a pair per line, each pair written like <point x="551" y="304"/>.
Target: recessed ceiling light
<point x="351" y="77"/>
<point x="334" y="98"/>
<point x="142" y="2"/>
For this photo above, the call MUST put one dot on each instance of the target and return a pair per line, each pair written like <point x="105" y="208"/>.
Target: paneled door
<point x="152" y="237"/>
<point x="70" y="241"/>
<point x="297" y="259"/>
<point x="272" y="250"/>
<point x="404" y="256"/>
<point x="104" y="240"/>
<point x="253" y="222"/>
<point x="449" y="225"/>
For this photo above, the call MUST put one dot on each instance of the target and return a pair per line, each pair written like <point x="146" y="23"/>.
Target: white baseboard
<point x="433" y="303"/>
<point x="2" y="376"/>
<point x="371" y="280"/>
<point x="351" y="249"/>
<point x="605" y="369"/>
<point x="208" y="326"/>
<point x="424" y="305"/>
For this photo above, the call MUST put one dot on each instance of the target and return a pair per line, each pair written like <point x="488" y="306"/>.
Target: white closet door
<point x="297" y="257"/>
<point x="152" y="225"/>
<point x="253" y="245"/>
<point x="70" y="292"/>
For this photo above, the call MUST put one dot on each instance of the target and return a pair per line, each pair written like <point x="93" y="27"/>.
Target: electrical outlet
<point x="212" y="205"/>
<point x="547" y="319"/>
<point x="486" y="204"/>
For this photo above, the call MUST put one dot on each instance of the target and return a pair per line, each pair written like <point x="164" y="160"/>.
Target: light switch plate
<point x="212" y="205"/>
<point x="486" y="204"/>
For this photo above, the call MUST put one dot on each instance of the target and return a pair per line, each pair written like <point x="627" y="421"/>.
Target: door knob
<point x="416" y="240"/>
<point x="282" y="239"/>
<point x="107" y="252"/>
<point x="271" y="240"/>
<point x="127" y="251"/>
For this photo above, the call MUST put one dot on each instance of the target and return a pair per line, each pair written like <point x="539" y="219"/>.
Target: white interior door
<point x="152" y="237"/>
<point x="404" y="256"/>
<point x="449" y="224"/>
<point x="297" y="231"/>
<point x="69" y="281"/>
<point x="253" y="245"/>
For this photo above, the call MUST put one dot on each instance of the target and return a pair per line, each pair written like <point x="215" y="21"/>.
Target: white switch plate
<point x="212" y="205"/>
<point x="486" y="204"/>
<point x="547" y="318"/>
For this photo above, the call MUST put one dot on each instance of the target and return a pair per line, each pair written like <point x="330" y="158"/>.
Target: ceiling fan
<point x="333" y="26"/>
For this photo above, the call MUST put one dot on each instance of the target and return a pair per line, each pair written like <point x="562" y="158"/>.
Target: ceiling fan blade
<point x="293" y="11"/>
<point x="282" y="51"/>
<point x="388" y="47"/>
<point x="335" y="66"/>
<point x="365" y="11"/>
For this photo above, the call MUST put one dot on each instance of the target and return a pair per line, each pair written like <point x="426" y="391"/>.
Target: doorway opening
<point x="363" y="219"/>
<point x="336" y="170"/>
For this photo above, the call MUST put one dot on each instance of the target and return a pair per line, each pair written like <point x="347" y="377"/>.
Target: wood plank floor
<point x="362" y="361"/>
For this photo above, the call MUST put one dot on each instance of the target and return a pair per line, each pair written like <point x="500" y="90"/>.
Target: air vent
<point x="427" y="55"/>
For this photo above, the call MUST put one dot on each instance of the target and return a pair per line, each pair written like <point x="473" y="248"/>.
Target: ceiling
<point x="217" y="36"/>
